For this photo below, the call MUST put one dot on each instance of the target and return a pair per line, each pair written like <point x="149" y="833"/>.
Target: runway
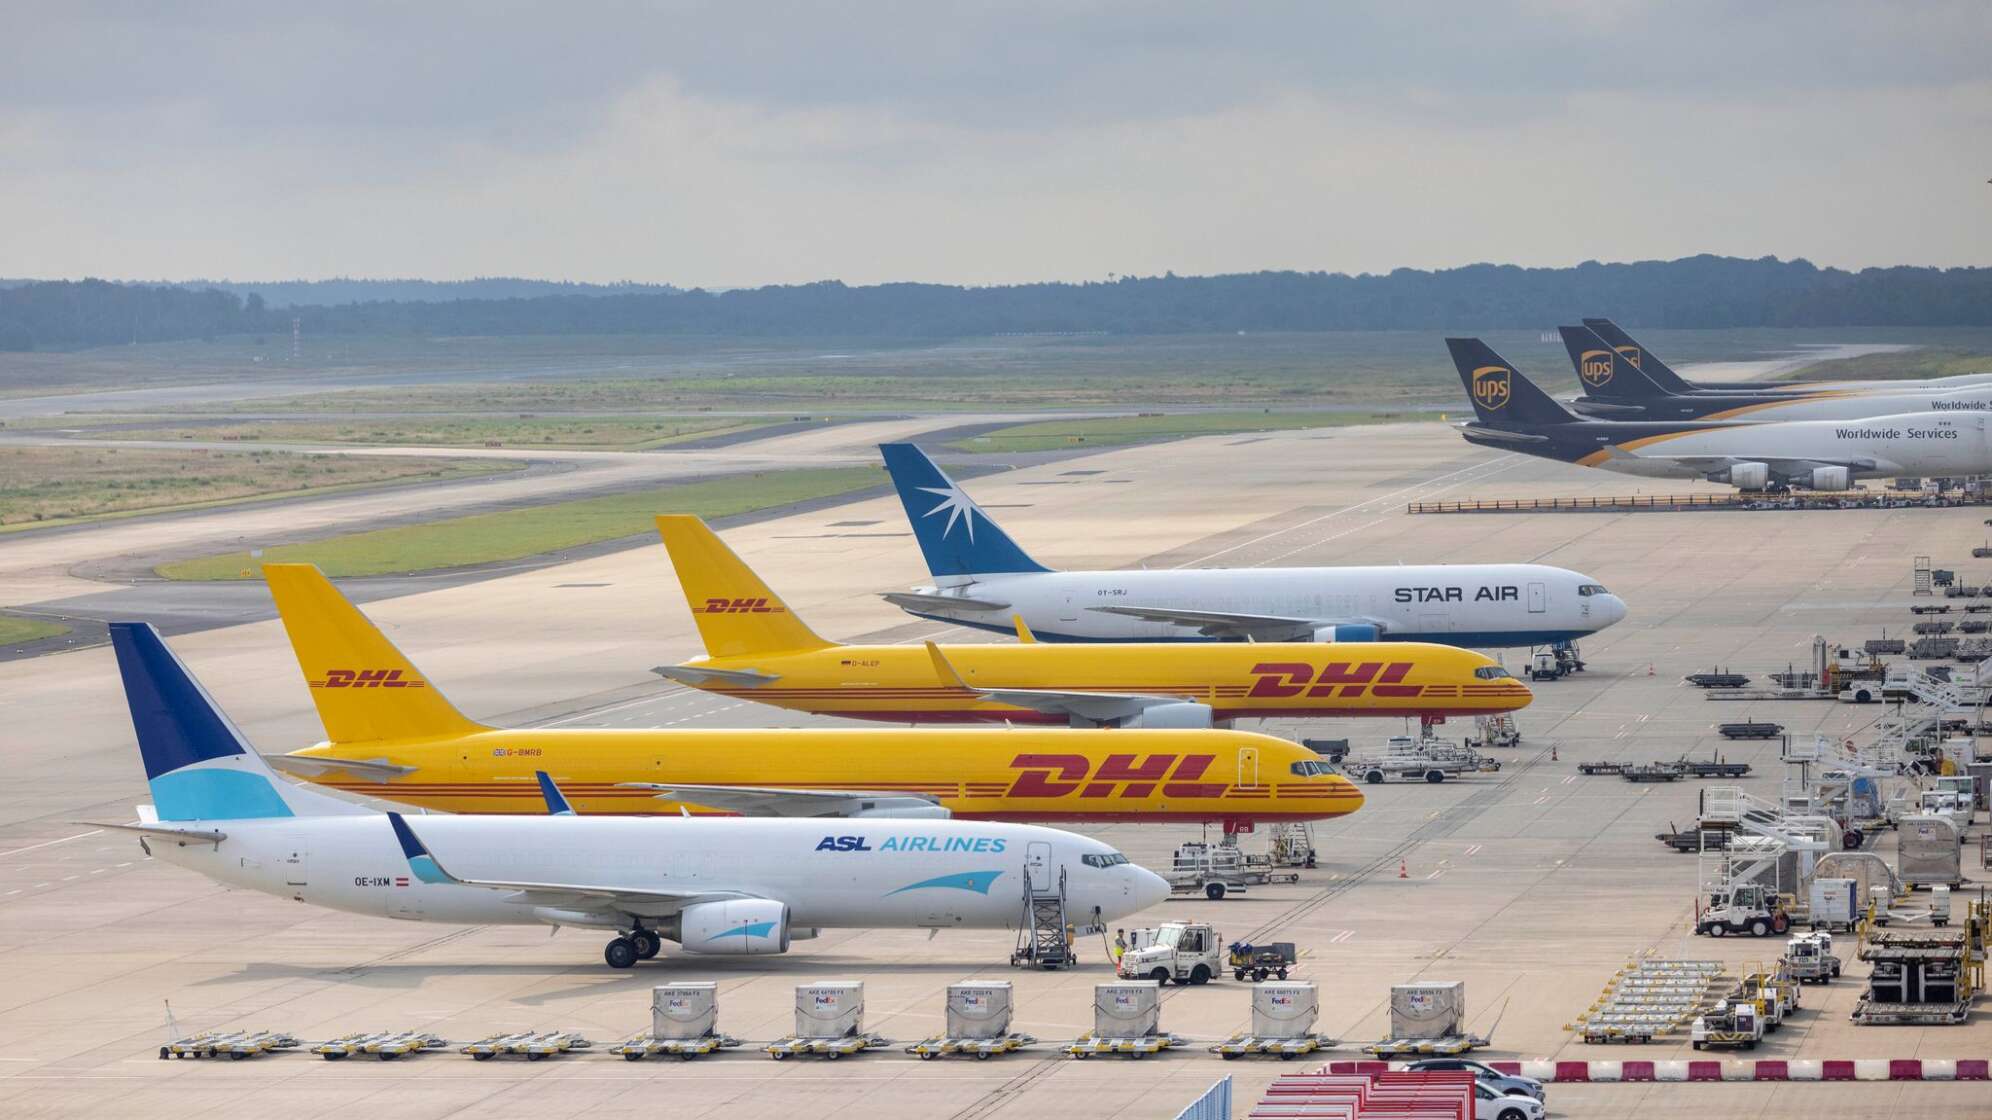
<point x="1533" y="885"/>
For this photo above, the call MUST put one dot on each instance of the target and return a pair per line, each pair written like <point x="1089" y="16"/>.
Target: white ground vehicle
<point x="1186" y="952"/>
<point x="1420" y="759"/>
<point x="1490" y="1105"/>
<point x="1729" y="1023"/>
<point x="1494" y="731"/>
<point x="1750" y="908"/>
<point x="1809" y="958"/>
<point x="1504" y="1083"/>
<point x="1215" y="870"/>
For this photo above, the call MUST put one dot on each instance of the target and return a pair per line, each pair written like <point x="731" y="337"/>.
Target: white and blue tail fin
<point x="556" y="801"/>
<point x="417" y="854"/>
<point x="200" y="767"/>
<point x="945" y="520"/>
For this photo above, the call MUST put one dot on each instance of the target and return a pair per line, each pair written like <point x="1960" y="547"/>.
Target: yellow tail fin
<point x="364" y="688"/>
<point x="736" y="613"/>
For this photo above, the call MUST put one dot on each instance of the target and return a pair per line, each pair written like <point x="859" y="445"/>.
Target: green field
<point x="1923" y="362"/>
<point x="532" y="530"/>
<point x="1114" y="431"/>
<point x="622" y="433"/>
<point x="15" y="630"/>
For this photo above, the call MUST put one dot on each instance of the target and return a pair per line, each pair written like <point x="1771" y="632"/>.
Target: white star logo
<point x="958" y="506"/>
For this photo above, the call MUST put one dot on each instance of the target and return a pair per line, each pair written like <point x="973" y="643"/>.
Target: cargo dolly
<point x="1089" y="1044"/>
<point x="1750" y="729"/>
<point x="643" y="1046"/>
<point x="385" y="1045"/>
<point x="831" y="1048"/>
<point x="1286" y="1049"/>
<point x="1448" y="1047"/>
<point x="237" y="1045"/>
<point x="981" y="1048"/>
<point x="533" y="1044"/>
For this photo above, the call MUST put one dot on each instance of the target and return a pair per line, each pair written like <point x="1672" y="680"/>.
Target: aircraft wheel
<point x="620" y="953"/>
<point x="647" y="943"/>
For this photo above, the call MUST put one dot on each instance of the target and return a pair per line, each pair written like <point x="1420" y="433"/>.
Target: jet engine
<point x="1832" y="478"/>
<point x="1750" y="476"/>
<point x="749" y="927"/>
<point x="1352" y="632"/>
<point x="1183" y="714"/>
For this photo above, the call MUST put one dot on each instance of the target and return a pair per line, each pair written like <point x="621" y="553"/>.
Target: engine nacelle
<point x="748" y="927"/>
<point x="900" y="809"/>
<point x="1750" y="476"/>
<point x="1185" y="714"/>
<point x="1832" y="478"/>
<point x="1351" y="632"/>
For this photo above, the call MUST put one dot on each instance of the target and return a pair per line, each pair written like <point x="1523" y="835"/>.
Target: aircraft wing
<point x="1783" y="466"/>
<point x="918" y="601"/>
<point x="1229" y="624"/>
<point x="788" y="801"/>
<point x="1098" y="707"/>
<point x="697" y="677"/>
<point x="308" y="766"/>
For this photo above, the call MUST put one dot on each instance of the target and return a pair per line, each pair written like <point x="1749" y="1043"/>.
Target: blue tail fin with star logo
<point x="957" y="538"/>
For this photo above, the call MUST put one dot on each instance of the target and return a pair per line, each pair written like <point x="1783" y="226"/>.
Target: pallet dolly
<point x="236" y="1044"/>
<point x="385" y="1045"/>
<point x="535" y="1045"/>
<point x="1089" y="1044"/>
<point x="831" y="1048"/>
<point x="1287" y="1049"/>
<point x="982" y="1048"/>
<point x="684" y="1049"/>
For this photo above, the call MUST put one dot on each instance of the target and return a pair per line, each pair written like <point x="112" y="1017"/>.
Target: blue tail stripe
<point x="955" y="535"/>
<point x="178" y="724"/>
<point x="556" y="802"/>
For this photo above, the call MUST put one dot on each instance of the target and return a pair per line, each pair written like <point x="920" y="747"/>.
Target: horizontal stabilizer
<point x="159" y="828"/>
<point x="310" y="766"/>
<point x="699" y="678"/>
<point x="1501" y="435"/>
<point x="915" y="601"/>
<point x="781" y="801"/>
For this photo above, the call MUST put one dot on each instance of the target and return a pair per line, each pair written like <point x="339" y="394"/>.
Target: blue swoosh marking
<point x="977" y="881"/>
<point x="753" y="929"/>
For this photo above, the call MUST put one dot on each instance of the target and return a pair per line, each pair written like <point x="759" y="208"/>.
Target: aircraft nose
<point x="1614" y="609"/>
<point x="1147" y="889"/>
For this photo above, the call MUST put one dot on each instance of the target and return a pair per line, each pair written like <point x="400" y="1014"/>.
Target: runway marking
<point x="1341" y="937"/>
<point x="47" y="843"/>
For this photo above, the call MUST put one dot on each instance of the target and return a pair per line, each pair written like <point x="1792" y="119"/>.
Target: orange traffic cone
<point x="1402" y="871"/>
<point x="1649" y="668"/>
<point x="1552" y="752"/>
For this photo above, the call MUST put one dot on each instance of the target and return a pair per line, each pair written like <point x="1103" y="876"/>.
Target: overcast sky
<point x="737" y="143"/>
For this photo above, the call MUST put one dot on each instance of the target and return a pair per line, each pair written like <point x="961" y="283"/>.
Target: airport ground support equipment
<point x="1127" y="1019"/>
<point x="1260" y="961"/>
<point x="1729" y="1024"/>
<point x="1649" y="999"/>
<point x="234" y="1045"/>
<point x="1283" y="1016"/>
<point x="978" y="1024"/>
<point x="534" y="1045"/>
<point x="384" y="1045"/>
<point x="1809" y="958"/>
<point x="1187" y="953"/>
<point x="829" y="1022"/>
<point x="684" y="1023"/>
<point x="1215" y="870"/>
<point x="1494" y="731"/>
<point x="1427" y="1019"/>
<point x="1424" y="758"/>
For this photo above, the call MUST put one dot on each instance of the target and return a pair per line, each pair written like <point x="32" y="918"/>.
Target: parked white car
<point x="1506" y="1083"/>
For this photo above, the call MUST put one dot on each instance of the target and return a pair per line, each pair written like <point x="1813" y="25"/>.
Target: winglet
<point x="945" y="669"/>
<point x="1024" y="634"/>
<point x="420" y="861"/>
<point x="556" y="802"/>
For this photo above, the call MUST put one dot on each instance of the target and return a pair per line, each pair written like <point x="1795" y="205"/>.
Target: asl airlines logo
<point x="1630" y="354"/>
<point x="956" y="504"/>
<point x="1062" y="775"/>
<point x="1491" y="387"/>
<point x="740" y="606"/>
<point x="368" y="678"/>
<point x="1595" y="366"/>
<point x="1278" y="679"/>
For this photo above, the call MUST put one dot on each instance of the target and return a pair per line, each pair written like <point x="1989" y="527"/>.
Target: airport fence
<point x="1214" y="1104"/>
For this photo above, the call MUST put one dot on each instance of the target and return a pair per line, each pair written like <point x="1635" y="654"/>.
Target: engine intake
<point x="1750" y="476"/>
<point x="1186" y="714"/>
<point x="748" y="927"/>
<point x="1349" y="632"/>
<point x="1832" y="478"/>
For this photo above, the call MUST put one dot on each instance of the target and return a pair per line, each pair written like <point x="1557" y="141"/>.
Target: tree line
<point x="1702" y="291"/>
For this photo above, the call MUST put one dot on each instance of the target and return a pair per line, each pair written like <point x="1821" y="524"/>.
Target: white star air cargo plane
<point x="982" y="579"/>
<point x="736" y="886"/>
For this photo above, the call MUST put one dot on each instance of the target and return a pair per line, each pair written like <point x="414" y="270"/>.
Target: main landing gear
<point x="638" y="944"/>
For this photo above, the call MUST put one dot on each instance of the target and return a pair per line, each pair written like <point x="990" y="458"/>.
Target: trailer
<point x="1494" y="731"/>
<point x="1750" y="729"/>
<point x="1713" y="768"/>
<point x="535" y="1045"/>
<point x="1215" y="870"/>
<point x="978" y="1024"/>
<point x="384" y="1045"/>
<point x="1653" y="772"/>
<point x="1260" y="961"/>
<point x="684" y="1024"/>
<point x="1422" y="759"/>
<point x="1717" y="679"/>
<point x="829" y="1022"/>
<point x="234" y="1045"/>
<point x="1283" y="1016"/>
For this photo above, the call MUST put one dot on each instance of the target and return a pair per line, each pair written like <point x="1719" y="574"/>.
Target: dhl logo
<point x="1491" y="388"/>
<point x="740" y="606"/>
<point x="1282" y="678"/>
<point x="1595" y="366"/>
<point x="1062" y="775"/>
<point x="368" y="678"/>
<point x="1630" y="354"/>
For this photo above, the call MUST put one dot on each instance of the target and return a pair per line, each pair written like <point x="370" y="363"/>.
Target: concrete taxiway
<point x="1533" y="885"/>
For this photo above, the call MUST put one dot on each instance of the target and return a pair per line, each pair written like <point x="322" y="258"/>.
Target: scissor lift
<point x="535" y="1045"/>
<point x="236" y="1045"/>
<point x="385" y="1045"/>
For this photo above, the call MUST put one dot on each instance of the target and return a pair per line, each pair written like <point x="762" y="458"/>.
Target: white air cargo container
<point x="1928" y="851"/>
<point x="1431" y="1009"/>
<point x="1284" y="1009"/>
<point x="1127" y="1009"/>
<point x="1835" y="903"/>
<point x="684" y="1011"/>
<point x="979" y="1010"/>
<point x="832" y="1009"/>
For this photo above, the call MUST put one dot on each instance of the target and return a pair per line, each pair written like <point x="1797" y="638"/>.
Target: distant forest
<point x="1703" y="291"/>
<point x="299" y="293"/>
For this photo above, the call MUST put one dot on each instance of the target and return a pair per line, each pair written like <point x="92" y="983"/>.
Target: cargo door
<point x="1037" y="866"/>
<point x="1538" y="598"/>
<point x="1068" y="609"/>
<point x="1248" y="766"/>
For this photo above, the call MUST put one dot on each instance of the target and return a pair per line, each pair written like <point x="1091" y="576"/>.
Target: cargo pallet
<point x="831" y="1048"/>
<point x="684" y="1049"/>
<point x="981" y="1048"/>
<point x="237" y="1045"/>
<point x="1286" y="1049"/>
<point x="535" y="1045"/>
<point x="1089" y="1044"/>
<point x="385" y="1045"/>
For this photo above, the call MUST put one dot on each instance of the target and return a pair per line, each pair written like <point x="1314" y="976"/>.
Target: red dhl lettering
<point x="1062" y="775"/>
<point x="368" y="678"/>
<point x="1279" y="679"/>
<point x="739" y="606"/>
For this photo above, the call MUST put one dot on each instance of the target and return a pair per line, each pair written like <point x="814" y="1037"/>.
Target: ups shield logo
<point x="1630" y="354"/>
<point x="1491" y="386"/>
<point x="1595" y="366"/>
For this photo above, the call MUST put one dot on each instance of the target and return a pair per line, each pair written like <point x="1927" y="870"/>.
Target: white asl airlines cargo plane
<point x="982" y="579"/>
<point x="735" y="886"/>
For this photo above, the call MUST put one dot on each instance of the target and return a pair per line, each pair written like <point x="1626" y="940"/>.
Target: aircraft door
<point x="1538" y="598"/>
<point x="1068" y="611"/>
<point x="1037" y="866"/>
<point x="1248" y="766"/>
<point x="296" y="871"/>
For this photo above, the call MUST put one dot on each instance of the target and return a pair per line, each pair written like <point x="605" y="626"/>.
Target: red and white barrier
<point x="1715" y="1069"/>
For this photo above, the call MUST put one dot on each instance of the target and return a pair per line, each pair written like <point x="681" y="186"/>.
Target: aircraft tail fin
<point x="737" y="614"/>
<point x="199" y="765"/>
<point x="1501" y="396"/>
<point x="955" y="535"/>
<point x="1642" y="359"/>
<point x="1605" y="372"/>
<point x="364" y="688"/>
<point x="556" y="801"/>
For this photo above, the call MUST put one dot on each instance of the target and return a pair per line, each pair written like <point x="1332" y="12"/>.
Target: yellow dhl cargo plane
<point x="392" y="735"/>
<point x="757" y="649"/>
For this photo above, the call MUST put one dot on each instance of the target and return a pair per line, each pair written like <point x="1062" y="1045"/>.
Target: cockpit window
<point x="1589" y="589"/>
<point x="1111" y="859"/>
<point x="1311" y="768"/>
<point x="1493" y="673"/>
